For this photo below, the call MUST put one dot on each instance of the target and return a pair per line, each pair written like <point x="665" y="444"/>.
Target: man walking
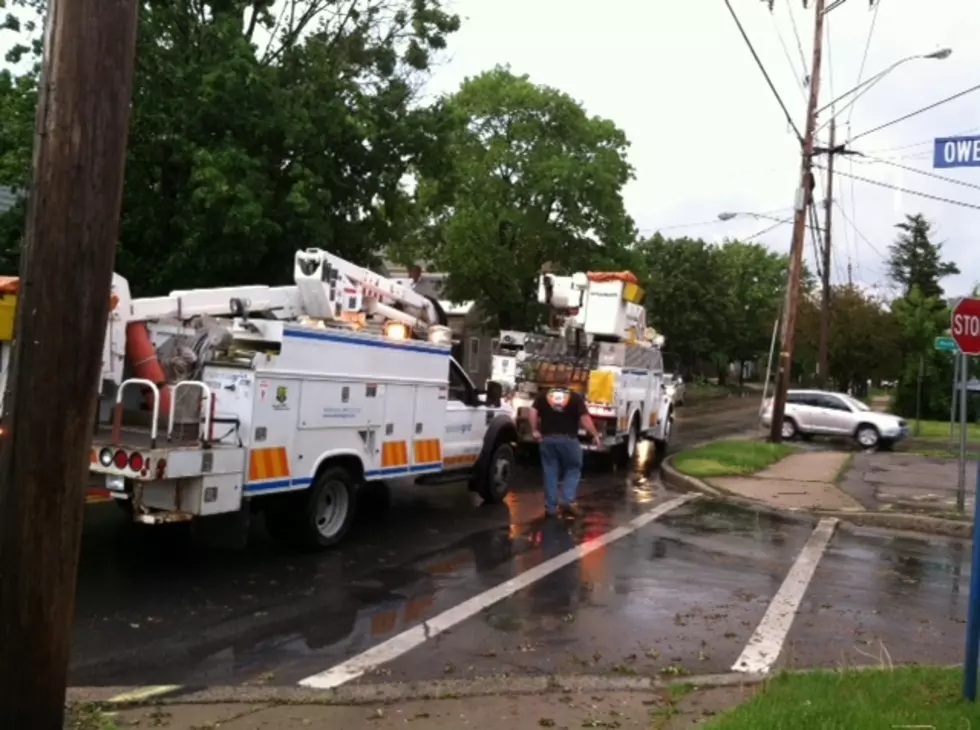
<point x="556" y="416"/>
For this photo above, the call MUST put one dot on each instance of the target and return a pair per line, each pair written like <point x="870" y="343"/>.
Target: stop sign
<point x="965" y="326"/>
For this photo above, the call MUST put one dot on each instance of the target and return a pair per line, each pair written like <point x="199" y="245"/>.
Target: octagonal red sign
<point x="965" y="326"/>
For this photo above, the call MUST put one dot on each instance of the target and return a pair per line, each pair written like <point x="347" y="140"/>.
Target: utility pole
<point x="825" y="294"/>
<point x="804" y="198"/>
<point x="81" y="132"/>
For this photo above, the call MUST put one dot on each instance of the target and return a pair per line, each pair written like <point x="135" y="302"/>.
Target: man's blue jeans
<point x="561" y="458"/>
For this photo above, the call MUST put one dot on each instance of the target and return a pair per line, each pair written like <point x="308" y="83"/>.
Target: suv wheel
<point x="789" y="429"/>
<point x="867" y="436"/>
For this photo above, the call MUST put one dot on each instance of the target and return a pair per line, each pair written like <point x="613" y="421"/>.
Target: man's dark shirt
<point x="559" y="412"/>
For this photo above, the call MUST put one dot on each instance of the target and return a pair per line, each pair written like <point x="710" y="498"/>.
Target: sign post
<point x="956" y="152"/>
<point x="965" y="329"/>
<point x="952" y="413"/>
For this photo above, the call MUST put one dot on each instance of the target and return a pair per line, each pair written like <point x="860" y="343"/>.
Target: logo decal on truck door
<point x="281" y="395"/>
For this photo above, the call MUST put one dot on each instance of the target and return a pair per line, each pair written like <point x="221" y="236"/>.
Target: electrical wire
<point x="799" y="43"/>
<point x="926" y="173"/>
<point x="800" y="80"/>
<point x="767" y="229"/>
<point x="916" y="112"/>
<point x="857" y="230"/>
<point x="922" y="143"/>
<point x="830" y="66"/>
<point x="765" y="73"/>
<point x="917" y="193"/>
<point x="814" y="227"/>
<point x="864" y="57"/>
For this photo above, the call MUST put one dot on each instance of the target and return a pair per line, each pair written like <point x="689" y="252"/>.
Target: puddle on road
<point x="233" y="616"/>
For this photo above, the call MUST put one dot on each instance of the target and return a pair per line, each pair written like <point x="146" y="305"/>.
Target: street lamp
<point x="865" y="86"/>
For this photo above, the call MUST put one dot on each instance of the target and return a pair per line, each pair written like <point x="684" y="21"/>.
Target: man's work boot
<point x="572" y="510"/>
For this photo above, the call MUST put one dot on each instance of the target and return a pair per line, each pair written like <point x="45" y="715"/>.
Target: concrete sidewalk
<point x="800" y="481"/>
<point x="679" y="709"/>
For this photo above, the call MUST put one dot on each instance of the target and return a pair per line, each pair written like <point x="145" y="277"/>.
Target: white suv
<point x="820" y="413"/>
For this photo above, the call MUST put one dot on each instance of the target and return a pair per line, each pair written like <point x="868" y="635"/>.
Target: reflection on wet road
<point x="674" y="595"/>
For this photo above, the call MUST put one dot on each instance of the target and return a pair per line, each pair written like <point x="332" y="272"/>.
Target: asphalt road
<point x="616" y="592"/>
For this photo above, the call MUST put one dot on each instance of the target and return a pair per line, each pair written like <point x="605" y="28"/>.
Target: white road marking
<point x="144" y="693"/>
<point x="764" y="646"/>
<point x="411" y="638"/>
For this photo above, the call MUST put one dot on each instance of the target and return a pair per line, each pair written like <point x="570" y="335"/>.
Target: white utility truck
<point x="597" y="343"/>
<point x="288" y="400"/>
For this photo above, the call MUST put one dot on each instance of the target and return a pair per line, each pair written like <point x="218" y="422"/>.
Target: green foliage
<point x="915" y="261"/>
<point x="711" y="302"/>
<point x="533" y="180"/>
<point x="729" y="458"/>
<point x="864" y="338"/>
<point x="255" y="134"/>
<point x="921" y="319"/>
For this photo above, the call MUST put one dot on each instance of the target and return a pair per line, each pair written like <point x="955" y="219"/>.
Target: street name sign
<point x="956" y="152"/>
<point x="965" y="326"/>
<point x="946" y="344"/>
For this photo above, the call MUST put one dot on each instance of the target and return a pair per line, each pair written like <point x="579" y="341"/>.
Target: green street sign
<point x="946" y="344"/>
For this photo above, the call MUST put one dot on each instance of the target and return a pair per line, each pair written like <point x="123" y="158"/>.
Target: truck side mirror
<point x="495" y="393"/>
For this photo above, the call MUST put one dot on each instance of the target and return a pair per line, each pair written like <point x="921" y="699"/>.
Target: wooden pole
<point x="822" y="373"/>
<point x="804" y="197"/>
<point x="66" y="275"/>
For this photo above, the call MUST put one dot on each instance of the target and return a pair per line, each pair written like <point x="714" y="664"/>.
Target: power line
<point x="922" y="143"/>
<point x="920" y="194"/>
<point x="864" y="57"/>
<point x="767" y="229"/>
<point x="917" y="112"/>
<point x="799" y="43"/>
<point x="926" y="173"/>
<point x="800" y="80"/>
<point x="857" y="230"/>
<point x="765" y="73"/>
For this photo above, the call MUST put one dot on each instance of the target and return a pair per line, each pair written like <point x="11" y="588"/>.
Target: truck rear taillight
<point x="105" y="457"/>
<point x="135" y="461"/>
<point x="120" y="459"/>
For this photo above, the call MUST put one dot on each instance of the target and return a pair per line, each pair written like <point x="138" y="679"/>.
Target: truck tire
<point x="627" y="450"/>
<point x="663" y="444"/>
<point x="318" y="518"/>
<point x="494" y="484"/>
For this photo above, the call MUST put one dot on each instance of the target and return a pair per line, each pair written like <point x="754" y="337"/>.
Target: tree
<point x="712" y="302"/>
<point x="865" y="341"/>
<point x="534" y="180"/>
<point x="754" y="284"/>
<point x="259" y="129"/>
<point x="921" y="319"/>
<point x="915" y="261"/>
<point x="683" y="281"/>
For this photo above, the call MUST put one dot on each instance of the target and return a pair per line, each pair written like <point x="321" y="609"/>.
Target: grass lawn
<point x="867" y="700"/>
<point x="939" y="430"/>
<point x="729" y="458"/>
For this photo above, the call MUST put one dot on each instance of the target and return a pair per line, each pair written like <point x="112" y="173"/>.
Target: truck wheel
<point x="319" y="518"/>
<point x="494" y="485"/>
<point x="627" y="450"/>
<point x="662" y="444"/>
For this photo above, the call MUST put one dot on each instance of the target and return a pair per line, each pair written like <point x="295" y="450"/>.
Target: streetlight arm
<point x="940" y="55"/>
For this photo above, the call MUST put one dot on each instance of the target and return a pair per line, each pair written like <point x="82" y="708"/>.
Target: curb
<point x="392" y="692"/>
<point x="862" y="518"/>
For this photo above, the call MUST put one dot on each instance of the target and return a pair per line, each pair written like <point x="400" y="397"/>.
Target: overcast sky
<point x="707" y="133"/>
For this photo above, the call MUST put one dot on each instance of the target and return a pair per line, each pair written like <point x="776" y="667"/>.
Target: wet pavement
<point x="908" y="481"/>
<point x="883" y="598"/>
<point x="681" y="594"/>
